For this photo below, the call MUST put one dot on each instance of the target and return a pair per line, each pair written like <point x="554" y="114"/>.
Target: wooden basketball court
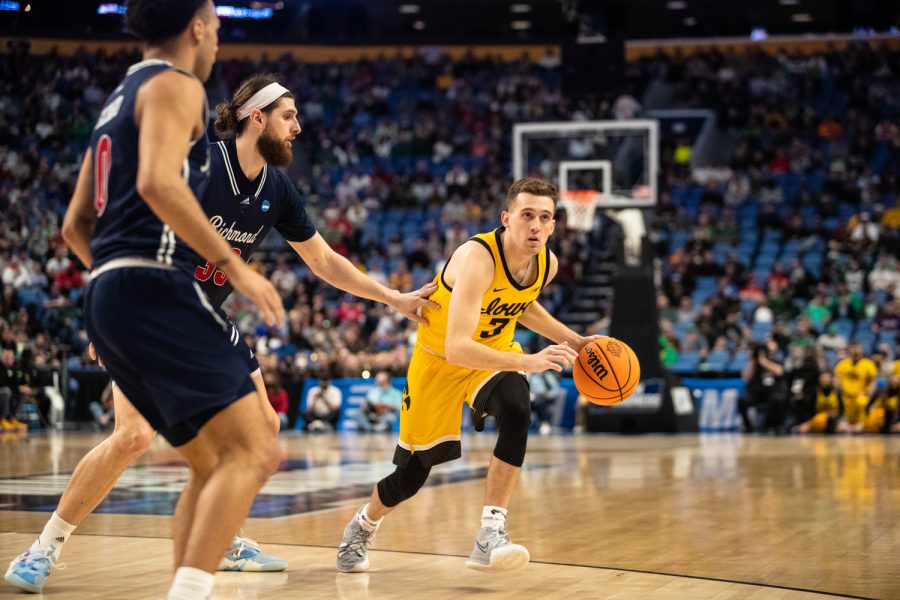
<point x="603" y="517"/>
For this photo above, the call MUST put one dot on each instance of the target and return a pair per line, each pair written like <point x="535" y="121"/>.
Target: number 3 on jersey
<point x="500" y="323"/>
<point x="202" y="274"/>
<point x="102" y="165"/>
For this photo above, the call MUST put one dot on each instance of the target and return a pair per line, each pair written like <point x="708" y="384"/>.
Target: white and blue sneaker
<point x="245" y="555"/>
<point x="30" y="570"/>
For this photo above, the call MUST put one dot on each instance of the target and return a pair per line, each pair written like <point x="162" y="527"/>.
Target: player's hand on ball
<point x="553" y="357"/>
<point x="410" y="303"/>
<point x="260" y="291"/>
<point x="585" y="340"/>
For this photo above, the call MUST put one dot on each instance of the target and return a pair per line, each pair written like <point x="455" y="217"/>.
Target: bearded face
<point x="274" y="150"/>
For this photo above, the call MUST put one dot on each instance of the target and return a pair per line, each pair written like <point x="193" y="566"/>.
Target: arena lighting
<point x="223" y="11"/>
<point x="801" y="17"/>
<point x="7" y="5"/>
<point x="419" y="25"/>
<point x="520" y="9"/>
<point x="789" y="2"/>
<point x="690" y="21"/>
<point x="520" y="25"/>
<point x="408" y="9"/>
<point x="111" y="9"/>
<point x="676" y="5"/>
<point x="236" y="12"/>
<point x="759" y="34"/>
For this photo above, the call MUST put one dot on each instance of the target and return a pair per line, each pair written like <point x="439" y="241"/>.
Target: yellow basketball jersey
<point x="855" y="377"/>
<point x="501" y="306"/>
<point x="826" y="402"/>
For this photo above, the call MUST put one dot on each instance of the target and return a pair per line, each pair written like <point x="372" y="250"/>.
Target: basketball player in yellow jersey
<point x="855" y="377"/>
<point x="465" y="353"/>
<point x="882" y="416"/>
<point x="828" y="408"/>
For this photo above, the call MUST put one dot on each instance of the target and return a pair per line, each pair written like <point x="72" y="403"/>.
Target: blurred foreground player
<point x="134" y="219"/>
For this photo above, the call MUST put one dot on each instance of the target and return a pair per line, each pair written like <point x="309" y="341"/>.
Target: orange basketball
<point x="607" y="371"/>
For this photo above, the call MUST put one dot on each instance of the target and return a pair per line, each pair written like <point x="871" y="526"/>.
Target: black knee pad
<point x="510" y="404"/>
<point x="403" y="483"/>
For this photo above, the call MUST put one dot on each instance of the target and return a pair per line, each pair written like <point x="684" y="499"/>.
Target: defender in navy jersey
<point x="133" y="214"/>
<point x="245" y="199"/>
<point x="243" y="211"/>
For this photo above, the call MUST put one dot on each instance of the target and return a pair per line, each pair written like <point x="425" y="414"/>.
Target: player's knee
<point x="274" y="422"/>
<point x="510" y="405"/>
<point x="403" y="483"/>
<point x="133" y="440"/>
<point x="268" y="458"/>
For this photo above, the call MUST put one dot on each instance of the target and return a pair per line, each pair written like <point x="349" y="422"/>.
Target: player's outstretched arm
<point x="336" y="270"/>
<point x="168" y="108"/>
<point x="462" y="321"/>
<point x="81" y="216"/>
<point x="537" y="319"/>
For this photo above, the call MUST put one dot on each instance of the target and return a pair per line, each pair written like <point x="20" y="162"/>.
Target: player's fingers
<point x="415" y="317"/>
<point x="279" y="312"/>
<point x="569" y="351"/>
<point x="91" y="352"/>
<point x="555" y="367"/>
<point x="430" y="304"/>
<point x="277" y="306"/>
<point x="269" y="310"/>
<point x="428" y="289"/>
<point x="564" y="351"/>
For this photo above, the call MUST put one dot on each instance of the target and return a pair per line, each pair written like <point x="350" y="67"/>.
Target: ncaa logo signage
<point x="266" y="205"/>
<point x="717" y="401"/>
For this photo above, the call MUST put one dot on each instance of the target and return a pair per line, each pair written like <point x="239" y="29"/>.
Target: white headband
<point x="262" y="99"/>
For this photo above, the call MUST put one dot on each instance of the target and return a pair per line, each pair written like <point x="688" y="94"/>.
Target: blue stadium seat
<point x="759" y="331"/>
<point x="738" y="361"/>
<point x="688" y="362"/>
<point x="843" y="327"/>
<point x="717" y="361"/>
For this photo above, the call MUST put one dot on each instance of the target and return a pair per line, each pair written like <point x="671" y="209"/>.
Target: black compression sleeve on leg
<point x="403" y="483"/>
<point x="510" y="404"/>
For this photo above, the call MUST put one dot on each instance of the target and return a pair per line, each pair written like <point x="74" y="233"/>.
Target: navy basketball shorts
<point x="234" y="334"/>
<point x="166" y="348"/>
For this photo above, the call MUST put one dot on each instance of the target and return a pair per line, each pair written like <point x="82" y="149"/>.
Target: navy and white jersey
<point x="126" y="227"/>
<point x="244" y="212"/>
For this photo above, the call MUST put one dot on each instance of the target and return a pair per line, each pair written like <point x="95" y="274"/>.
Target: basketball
<point x="607" y="371"/>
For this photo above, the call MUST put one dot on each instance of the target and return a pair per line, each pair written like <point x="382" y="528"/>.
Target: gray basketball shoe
<point x="352" y="556"/>
<point x="494" y="552"/>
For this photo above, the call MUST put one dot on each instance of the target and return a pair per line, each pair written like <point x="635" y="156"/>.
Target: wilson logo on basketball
<point x="614" y="348"/>
<point x="594" y="363"/>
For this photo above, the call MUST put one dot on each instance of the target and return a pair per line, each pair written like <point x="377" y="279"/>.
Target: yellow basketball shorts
<point x="876" y="420"/>
<point x="431" y="413"/>
<point x="820" y="423"/>
<point x="855" y="408"/>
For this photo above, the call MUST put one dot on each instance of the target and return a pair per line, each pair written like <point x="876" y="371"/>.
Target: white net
<point x="580" y="207"/>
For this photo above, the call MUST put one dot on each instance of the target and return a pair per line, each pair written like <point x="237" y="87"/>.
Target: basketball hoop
<point x="580" y="206"/>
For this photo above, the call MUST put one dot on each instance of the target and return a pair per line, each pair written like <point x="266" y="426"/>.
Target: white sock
<point x="191" y="584"/>
<point x="493" y="517"/>
<point x="56" y="533"/>
<point x="367" y="523"/>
